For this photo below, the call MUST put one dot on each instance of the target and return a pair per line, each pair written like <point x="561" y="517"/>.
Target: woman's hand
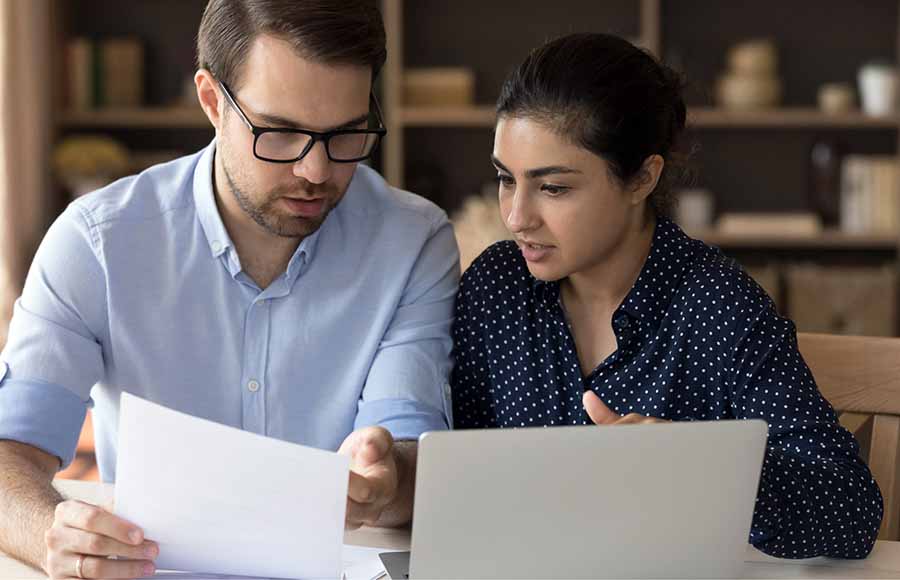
<point x="600" y="414"/>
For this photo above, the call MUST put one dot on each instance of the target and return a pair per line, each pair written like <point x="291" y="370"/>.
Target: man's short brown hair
<point x="327" y="31"/>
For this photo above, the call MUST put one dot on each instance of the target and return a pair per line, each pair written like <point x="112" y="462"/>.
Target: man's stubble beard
<point x="267" y="215"/>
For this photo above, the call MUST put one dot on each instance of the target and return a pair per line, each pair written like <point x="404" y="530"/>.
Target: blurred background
<point x="793" y="125"/>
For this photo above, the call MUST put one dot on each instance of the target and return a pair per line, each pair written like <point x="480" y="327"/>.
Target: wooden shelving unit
<point x="698" y="117"/>
<point x="787" y="118"/>
<point x="480" y="116"/>
<point x="827" y="240"/>
<point x="711" y="118"/>
<point x="483" y="116"/>
<point x="149" y="118"/>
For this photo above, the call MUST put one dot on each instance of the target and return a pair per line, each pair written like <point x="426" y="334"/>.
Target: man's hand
<point x="600" y="414"/>
<point x="374" y="475"/>
<point x="90" y="535"/>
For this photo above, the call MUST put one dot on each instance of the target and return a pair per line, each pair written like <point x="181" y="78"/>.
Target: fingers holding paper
<point x="83" y="537"/>
<point x="374" y="478"/>
<point x="600" y="414"/>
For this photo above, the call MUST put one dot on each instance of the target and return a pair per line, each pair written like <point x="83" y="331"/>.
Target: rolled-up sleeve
<point x="816" y="496"/>
<point x="53" y="355"/>
<point x="407" y="390"/>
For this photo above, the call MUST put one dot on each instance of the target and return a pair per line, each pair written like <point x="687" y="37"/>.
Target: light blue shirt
<point x="137" y="288"/>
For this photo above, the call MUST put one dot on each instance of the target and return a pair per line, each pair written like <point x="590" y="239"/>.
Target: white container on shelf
<point x="694" y="209"/>
<point x="878" y="89"/>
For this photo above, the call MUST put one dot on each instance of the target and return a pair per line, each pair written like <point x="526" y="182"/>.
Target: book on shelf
<point x="870" y="194"/>
<point x="79" y="70"/>
<point x="105" y="72"/>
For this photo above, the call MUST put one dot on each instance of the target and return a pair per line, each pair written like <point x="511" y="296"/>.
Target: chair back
<point x="860" y="377"/>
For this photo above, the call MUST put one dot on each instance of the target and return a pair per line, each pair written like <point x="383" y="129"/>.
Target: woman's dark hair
<point x="608" y="96"/>
<point x="328" y="31"/>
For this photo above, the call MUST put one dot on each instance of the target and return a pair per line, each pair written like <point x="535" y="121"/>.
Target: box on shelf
<point x="446" y="86"/>
<point x="79" y="74"/>
<point x="843" y="300"/>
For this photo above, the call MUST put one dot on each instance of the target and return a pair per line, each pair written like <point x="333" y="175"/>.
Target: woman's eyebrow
<point x="539" y="171"/>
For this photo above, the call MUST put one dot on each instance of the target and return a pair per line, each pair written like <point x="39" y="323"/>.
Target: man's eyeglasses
<point x="291" y="145"/>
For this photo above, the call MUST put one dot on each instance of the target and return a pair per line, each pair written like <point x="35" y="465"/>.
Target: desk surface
<point x="884" y="562"/>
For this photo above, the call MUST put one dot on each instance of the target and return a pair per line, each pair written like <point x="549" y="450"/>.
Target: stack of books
<point x="870" y="187"/>
<point x="104" y="73"/>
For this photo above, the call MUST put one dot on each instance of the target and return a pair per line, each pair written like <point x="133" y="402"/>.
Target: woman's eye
<point x="554" y="190"/>
<point x="505" y="180"/>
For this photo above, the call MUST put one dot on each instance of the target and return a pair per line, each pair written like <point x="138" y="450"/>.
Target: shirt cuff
<point x="43" y="415"/>
<point x="405" y="419"/>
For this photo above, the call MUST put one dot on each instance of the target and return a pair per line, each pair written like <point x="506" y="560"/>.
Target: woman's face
<point x="562" y="204"/>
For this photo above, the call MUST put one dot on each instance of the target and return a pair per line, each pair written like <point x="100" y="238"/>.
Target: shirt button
<point x="216" y="246"/>
<point x="253" y="386"/>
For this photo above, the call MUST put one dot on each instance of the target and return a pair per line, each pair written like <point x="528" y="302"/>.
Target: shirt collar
<point x="205" y="201"/>
<point x="214" y="228"/>
<point x="671" y="252"/>
<point x="304" y="253"/>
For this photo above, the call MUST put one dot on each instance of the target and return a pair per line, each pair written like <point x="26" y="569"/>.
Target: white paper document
<point x="360" y="563"/>
<point x="224" y="501"/>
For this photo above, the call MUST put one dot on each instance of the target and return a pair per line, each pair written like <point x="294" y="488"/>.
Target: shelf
<point x="149" y="118"/>
<point x="827" y="240"/>
<point x="484" y="116"/>
<point x="700" y="117"/>
<point x="474" y="116"/>
<point x="788" y="118"/>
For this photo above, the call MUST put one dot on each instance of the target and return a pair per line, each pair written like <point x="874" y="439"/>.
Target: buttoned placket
<point x="257" y="331"/>
<point x="253" y="378"/>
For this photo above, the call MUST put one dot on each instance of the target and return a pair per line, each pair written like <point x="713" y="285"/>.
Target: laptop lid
<point x="661" y="500"/>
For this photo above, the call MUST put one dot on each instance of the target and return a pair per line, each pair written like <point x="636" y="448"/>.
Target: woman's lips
<point x="534" y="252"/>
<point x="308" y="208"/>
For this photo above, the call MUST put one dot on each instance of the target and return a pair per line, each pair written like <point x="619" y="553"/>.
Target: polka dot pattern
<point x="698" y="339"/>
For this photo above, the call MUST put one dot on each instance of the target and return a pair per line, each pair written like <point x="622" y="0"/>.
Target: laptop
<point x="671" y="500"/>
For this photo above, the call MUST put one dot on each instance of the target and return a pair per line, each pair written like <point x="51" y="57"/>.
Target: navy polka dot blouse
<point x="698" y="339"/>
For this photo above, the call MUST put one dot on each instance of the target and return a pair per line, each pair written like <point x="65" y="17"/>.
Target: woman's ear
<point x="648" y="176"/>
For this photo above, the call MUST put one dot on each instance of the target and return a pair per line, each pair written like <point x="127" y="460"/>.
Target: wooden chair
<point x="860" y="377"/>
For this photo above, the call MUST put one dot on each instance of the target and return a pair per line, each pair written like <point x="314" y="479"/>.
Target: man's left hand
<point x="600" y="414"/>
<point x="374" y="477"/>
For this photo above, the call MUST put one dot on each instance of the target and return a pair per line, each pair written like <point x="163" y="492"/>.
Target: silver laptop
<point x="639" y="501"/>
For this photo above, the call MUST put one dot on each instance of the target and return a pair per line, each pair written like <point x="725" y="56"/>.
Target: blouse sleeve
<point x="816" y="496"/>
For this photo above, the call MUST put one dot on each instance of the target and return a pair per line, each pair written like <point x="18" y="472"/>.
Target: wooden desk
<point x="884" y="562"/>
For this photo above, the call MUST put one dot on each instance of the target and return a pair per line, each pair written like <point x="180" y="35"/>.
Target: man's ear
<point x="646" y="179"/>
<point x="211" y="98"/>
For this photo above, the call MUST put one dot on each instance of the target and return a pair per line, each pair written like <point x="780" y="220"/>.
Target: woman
<point x="602" y="310"/>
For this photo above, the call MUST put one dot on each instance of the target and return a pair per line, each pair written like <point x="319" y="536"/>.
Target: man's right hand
<point x="89" y="534"/>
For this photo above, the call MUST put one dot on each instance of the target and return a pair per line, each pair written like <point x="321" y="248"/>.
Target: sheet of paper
<point x="360" y="563"/>
<point x="225" y="501"/>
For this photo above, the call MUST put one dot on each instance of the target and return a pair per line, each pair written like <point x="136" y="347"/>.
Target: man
<point x="267" y="282"/>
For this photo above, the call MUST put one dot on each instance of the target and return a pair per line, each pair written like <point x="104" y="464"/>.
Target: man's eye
<point x="554" y="190"/>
